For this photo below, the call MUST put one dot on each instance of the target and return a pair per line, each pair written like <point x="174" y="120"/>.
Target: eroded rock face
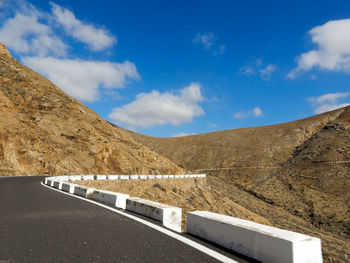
<point x="44" y="131"/>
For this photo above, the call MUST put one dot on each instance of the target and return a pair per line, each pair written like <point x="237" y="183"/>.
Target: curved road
<point x="38" y="224"/>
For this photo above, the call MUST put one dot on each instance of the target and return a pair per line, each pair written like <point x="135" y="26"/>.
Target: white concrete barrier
<point x="100" y="177"/>
<point x="64" y="178"/>
<point x="83" y="191"/>
<point x="186" y="176"/>
<point x="191" y="175"/>
<point x="69" y="188"/>
<point x="124" y="177"/>
<point x="87" y="177"/>
<point x="176" y="176"/>
<point x="116" y="199"/>
<point x="159" y="176"/>
<point x="171" y="176"/>
<point x="134" y="177"/>
<point x="52" y="182"/>
<point x="151" y="176"/>
<point x="182" y="176"/>
<point x="74" y="177"/>
<point x="143" y="177"/>
<point x="57" y="185"/>
<point x="165" y="176"/>
<point x="170" y="216"/>
<point x="261" y="242"/>
<point x="112" y="177"/>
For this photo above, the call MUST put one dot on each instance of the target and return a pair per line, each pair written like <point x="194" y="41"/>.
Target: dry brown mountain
<point x="309" y="192"/>
<point x="44" y="131"/>
<point x="267" y="145"/>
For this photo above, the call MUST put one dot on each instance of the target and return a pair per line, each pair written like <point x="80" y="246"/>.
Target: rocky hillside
<point x="307" y="191"/>
<point x="257" y="146"/>
<point x="44" y="131"/>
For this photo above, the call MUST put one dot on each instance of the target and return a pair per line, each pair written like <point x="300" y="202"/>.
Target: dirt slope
<point x="44" y="131"/>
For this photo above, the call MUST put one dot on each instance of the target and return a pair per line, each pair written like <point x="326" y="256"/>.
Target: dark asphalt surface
<point x="38" y="224"/>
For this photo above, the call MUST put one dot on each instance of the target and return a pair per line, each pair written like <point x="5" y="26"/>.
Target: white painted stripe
<point x="178" y="237"/>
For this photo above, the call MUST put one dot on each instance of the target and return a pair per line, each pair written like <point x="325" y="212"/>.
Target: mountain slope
<point x="308" y="191"/>
<point x="267" y="145"/>
<point x="44" y="131"/>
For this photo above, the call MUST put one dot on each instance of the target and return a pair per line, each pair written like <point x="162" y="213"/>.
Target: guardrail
<point x="261" y="242"/>
<point x="257" y="241"/>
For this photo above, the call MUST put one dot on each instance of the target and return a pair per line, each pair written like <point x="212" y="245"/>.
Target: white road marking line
<point x="178" y="237"/>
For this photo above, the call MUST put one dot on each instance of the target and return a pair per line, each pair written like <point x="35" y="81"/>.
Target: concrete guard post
<point x="83" y="191"/>
<point x="261" y="242"/>
<point x="112" y="198"/>
<point x="74" y="177"/>
<point x="87" y="177"/>
<point x="170" y="216"/>
<point x="52" y="182"/>
<point x="69" y="188"/>
<point x="57" y="185"/>
<point x="112" y="177"/>
<point x="100" y="177"/>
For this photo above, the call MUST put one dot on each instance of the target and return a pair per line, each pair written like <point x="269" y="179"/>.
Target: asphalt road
<point x="38" y="224"/>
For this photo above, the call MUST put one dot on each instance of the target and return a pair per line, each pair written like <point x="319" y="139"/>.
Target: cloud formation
<point x="24" y="34"/>
<point x="266" y="72"/>
<point x="182" y="134"/>
<point x="258" y="67"/>
<point x="96" y="38"/>
<point x="35" y="36"/>
<point x="82" y="79"/>
<point x="155" y="108"/>
<point x="254" y="113"/>
<point x="329" y="102"/>
<point x="209" y="42"/>
<point x="332" y="52"/>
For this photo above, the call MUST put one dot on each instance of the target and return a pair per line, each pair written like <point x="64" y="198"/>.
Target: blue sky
<point x="166" y="68"/>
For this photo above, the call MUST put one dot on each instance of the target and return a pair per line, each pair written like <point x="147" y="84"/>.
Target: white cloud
<point x="26" y="35"/>
<point x="333" y="51"/>
<point x="265" y="73"/>
<point x="182" y="134"/>
<point x="96" y="38"/>
<point x="258" y="67"/>
<point x="152" y="109"/>
<point x="254" y="113"/>
<point x="209" y="42"/>
<point x="82" y="79"/>
<point x="257" y="112"/>
<point x="239" y="115"/>
<point x="329" y="101"/>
